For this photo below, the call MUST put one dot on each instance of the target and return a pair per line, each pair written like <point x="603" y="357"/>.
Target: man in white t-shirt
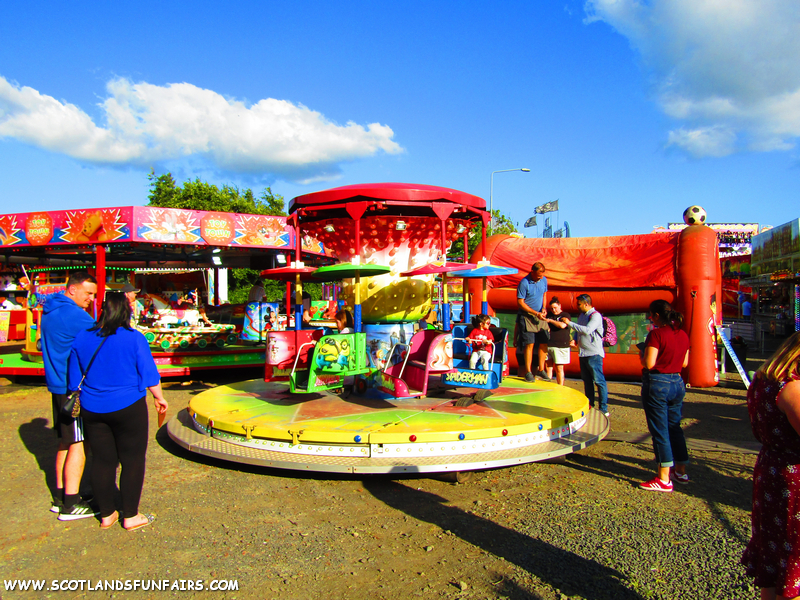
<point x="257" y="292"/>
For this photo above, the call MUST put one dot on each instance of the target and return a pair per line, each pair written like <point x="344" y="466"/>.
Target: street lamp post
<point x="491" y="191"/>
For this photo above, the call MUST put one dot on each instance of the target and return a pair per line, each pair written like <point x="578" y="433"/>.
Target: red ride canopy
<point x="400" y="192"/>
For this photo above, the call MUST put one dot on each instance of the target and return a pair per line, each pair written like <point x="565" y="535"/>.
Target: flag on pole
<point x="547" y="207"/>
<point x="531" y="222"/>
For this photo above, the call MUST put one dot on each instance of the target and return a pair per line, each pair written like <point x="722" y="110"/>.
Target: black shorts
<point x="534" y="337"/>
<point x="68" y="430"/>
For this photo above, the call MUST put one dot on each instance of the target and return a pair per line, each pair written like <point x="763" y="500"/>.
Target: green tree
<point x="200" y="195"/>
<point x="502" y="226"/>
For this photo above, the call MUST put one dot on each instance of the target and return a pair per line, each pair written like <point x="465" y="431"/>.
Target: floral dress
<point x="773" y="555"/>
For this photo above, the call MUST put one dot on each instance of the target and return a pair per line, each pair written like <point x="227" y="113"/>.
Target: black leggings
<point x="118" y="437"/>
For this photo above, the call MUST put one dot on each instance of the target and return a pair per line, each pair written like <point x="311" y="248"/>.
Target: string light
<point x="797" y="307"/>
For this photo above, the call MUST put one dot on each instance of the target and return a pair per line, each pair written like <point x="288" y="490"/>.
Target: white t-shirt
<point x="256" y="293"/>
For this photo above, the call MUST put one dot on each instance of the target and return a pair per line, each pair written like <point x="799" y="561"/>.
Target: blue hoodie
<point x="62" y="320"/>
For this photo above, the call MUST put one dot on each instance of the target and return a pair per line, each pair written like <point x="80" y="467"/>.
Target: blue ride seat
<point x="466" y="377"/>
<point x="461" y="349"/>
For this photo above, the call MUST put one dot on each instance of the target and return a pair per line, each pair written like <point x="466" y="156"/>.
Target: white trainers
<point x="81" y="510"/>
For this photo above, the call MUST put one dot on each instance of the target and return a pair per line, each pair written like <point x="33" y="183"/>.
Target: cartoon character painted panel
<point x="259" y="318"/>
<point x="335" y="353"/>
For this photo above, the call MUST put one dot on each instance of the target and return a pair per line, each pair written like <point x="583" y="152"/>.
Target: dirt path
<point x="574" y="529"/>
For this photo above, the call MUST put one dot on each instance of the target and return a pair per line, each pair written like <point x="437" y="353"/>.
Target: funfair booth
<point x="623" y="275"/>
<point x="388" y="396"/>
<point x="180" y="254"/>
<point x="776" y="282"/>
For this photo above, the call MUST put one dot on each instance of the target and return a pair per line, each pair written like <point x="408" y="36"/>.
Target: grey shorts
<point x="558" y="356"/>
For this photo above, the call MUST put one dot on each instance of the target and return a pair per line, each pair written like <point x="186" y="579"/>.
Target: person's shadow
<point x="39" y="440"/>
<point x="571" y="574"/>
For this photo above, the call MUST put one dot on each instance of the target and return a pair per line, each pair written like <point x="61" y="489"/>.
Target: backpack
<point x="609" y="332"/>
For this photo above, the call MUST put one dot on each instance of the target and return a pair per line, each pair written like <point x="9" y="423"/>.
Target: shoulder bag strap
<point x="89" y="366"/>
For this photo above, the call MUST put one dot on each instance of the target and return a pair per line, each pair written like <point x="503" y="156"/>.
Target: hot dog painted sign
<point x="147" y="224"/>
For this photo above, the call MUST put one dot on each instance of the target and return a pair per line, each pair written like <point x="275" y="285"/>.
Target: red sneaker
<point x="656" y="485"/>
<point x="678" y="478"/>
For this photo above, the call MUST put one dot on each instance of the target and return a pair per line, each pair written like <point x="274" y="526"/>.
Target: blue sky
<point x="625" y="111"/>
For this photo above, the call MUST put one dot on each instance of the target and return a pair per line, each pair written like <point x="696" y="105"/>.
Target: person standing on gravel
<point x="664" y="356"/>
<point x="63" y="317"/>
<point x="589" y="341"/>
<point x="114" y="407"/>
<point x="531" y="326"/>
<point x="558" y="345"/>
<point x="772" y="556"/>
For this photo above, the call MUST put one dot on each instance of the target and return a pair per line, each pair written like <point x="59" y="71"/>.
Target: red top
<point x="401" y="192"/>
<point x="479" y="337"/>
<point x="672" y="346"/>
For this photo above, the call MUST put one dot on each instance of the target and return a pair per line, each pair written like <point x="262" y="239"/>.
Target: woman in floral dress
<point x="773" y="555"/>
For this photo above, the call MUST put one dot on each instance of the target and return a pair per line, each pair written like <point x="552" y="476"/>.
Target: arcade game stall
<point x="385" y="396"/>
<point x="178" y="305"/>
<point x="775" y="280"/>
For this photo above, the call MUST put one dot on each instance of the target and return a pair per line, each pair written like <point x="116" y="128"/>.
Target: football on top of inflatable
<point x="694" y="215"/>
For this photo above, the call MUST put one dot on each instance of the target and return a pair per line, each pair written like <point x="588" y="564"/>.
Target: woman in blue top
<point x="113" y="407"/>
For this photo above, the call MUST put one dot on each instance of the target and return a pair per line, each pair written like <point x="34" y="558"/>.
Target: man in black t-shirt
<point x="558" y="346"/>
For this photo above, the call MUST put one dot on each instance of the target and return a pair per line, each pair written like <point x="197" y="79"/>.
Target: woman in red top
<point x="666" y="353"/>
<point x="773" y="401"/>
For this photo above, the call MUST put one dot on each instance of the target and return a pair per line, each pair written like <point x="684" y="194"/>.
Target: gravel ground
<point x="578" y="528"/>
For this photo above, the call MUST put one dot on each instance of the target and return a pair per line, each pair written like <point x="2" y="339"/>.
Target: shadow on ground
<point x="572" y="575"/>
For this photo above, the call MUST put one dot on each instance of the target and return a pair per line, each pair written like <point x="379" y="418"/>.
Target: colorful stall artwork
<point x="169" y="225"/>
<point x="86" y="226"/>
<point x="5" y="319"/>
<point x="65" y="227"/>
<point x="43" y="292"/>
<point x="257" y="230"/>
<point x="9" y="231"/>
<point x="149" y="224"/>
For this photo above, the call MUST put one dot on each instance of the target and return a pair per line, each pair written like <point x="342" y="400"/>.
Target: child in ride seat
<point x="345" y="322"/>
<point x="479" y="339"/>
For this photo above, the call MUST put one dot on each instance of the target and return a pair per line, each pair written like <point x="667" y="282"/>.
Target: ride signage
<point x="217" y="228"/>
<point x="39" y="228"/>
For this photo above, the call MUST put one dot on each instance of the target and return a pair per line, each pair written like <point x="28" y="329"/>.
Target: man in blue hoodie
<point x="63" y="317"/>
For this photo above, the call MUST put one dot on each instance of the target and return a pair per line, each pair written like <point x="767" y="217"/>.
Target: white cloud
<point x="147" y="124"/>
<point x="727" y="68"/>
<point x="704" y="141"/>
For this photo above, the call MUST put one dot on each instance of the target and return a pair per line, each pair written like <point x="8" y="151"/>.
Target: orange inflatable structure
<point x="623" y="275"/>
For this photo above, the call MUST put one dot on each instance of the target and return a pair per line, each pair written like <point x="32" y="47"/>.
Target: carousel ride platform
<point x="259" y="423"/>
<point x="15" y="360"/>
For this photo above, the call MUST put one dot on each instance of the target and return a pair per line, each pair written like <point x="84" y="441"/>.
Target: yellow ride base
<point x="260" y="423"/>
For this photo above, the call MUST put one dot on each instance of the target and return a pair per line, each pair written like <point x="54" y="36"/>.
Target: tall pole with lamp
<point x="491" y="191"/>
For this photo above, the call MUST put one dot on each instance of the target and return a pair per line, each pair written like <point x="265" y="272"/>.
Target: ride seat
<point x="461" y="347"/>
<point x="288" y="343"/>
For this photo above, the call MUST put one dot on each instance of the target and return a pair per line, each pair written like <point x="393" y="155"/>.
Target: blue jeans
<point x="662" y="396"/>
<point x="592" y="374"/>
